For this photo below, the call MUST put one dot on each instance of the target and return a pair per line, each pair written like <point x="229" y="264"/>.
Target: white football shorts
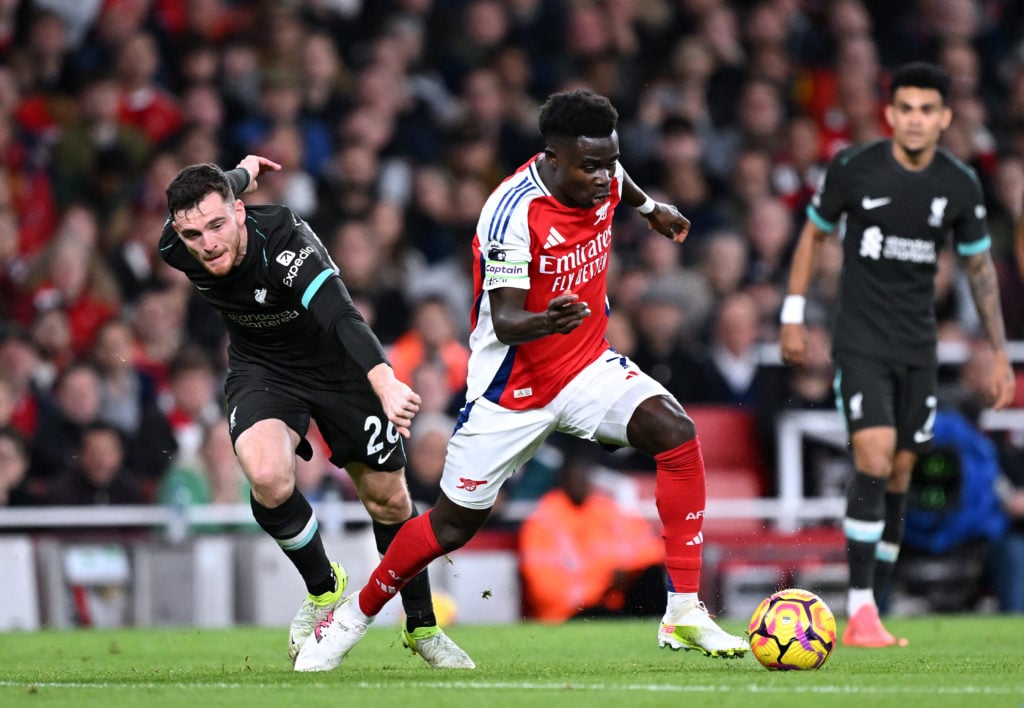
<point x="494" y="441"/>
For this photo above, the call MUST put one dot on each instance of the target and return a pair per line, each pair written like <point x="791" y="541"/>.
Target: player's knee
<point x="389" y="509"/>
<point x="451" y="537"/>
<point x="453" y="525"/>
<point x="271" y="490"/>
<point x="660" y="424"/>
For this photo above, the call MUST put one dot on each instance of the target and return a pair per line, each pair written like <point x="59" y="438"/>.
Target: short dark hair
<point x="920" y="74"/>
<point x="194" y="183"/>
<point x="102" y="427"/>
<point x="575" y="114"/>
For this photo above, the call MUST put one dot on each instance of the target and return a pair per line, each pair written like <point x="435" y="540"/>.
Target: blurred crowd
<point x="393" y="120"/>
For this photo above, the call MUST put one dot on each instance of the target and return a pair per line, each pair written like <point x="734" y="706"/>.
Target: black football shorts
<point x="872" y="392"/>
<point x="350" y="417"/>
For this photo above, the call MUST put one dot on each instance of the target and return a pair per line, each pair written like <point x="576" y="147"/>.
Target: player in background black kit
<point x="299" y="349"/>
<point x="898" y="199"/>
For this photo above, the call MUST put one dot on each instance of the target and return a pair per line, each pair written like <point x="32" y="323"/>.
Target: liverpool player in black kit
<point x="299" y="349"/>
<point x="900" y="198"/>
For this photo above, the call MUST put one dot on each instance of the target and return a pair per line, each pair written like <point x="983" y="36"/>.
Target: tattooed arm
<point x="981" y="274"/>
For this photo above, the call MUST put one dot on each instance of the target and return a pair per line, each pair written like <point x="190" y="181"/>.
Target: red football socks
<point x="412" y="549"/>
<point x="681" y="494"/>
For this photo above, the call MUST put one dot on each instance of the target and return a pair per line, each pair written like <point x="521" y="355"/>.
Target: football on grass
<point x="792" y="629"/>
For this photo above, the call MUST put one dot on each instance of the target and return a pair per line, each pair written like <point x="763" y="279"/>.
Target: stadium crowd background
<point x="393" y="121"/>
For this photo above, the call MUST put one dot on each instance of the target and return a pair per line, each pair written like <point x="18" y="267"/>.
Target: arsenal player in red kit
<point x="540" y="363"/>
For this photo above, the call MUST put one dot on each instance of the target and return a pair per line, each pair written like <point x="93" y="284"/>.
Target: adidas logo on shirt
<point x="554" y="238"/>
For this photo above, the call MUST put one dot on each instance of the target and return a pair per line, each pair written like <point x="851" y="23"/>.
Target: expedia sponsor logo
<point x="285" y="257"/>
<point x="300" y="259"/>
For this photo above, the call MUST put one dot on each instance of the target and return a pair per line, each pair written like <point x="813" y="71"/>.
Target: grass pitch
<point x="951" y="661"/>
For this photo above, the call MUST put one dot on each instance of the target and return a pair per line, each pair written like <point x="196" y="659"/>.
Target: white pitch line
<point x="845" y="689"/>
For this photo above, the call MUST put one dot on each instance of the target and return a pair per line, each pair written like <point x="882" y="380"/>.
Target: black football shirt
<point x="893" y="222"/>
<point x="283" y="303"/>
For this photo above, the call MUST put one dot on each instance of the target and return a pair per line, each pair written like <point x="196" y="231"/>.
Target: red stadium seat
<point x="733" y="463"/>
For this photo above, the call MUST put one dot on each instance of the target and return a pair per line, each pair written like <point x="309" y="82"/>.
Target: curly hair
<point x="194" y="183"/>
<point x="579" y="113"/>
<point x="920" y="74"/>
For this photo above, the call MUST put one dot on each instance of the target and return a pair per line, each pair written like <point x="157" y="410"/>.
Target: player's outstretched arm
<point x="514" y="324"/>
<point x="792" y="333"/>
<point x="981" y="275"/>
<point x="256" y="165"/>
<point x="400" y="402"/>
<point x="663" y="218"/>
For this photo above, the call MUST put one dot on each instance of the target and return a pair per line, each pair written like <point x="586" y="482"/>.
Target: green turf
<point x="951" y="661"/>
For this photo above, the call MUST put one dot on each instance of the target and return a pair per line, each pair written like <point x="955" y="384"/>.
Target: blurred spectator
<point x="115" y="25"/>
<point x="19" y="367"/>
<point x="14" y="469"/>
<point x="752" y="181"/>
<point x="476" y="30"/>
<point x="192" y="401"/>
<point x="158" y="325"/>
<point x="430" y="381"/>
<point x="63" y="419"/>
<point x="214" y="477"/>
<point x="452" y="276"/>
<point x="426" y="450"/>
<point x="325" y="79"/>
<point x="723" y="261"/>
<point x="27" y="185"/>
<point x="351" y="182"/>
<point x="95" y="133"/>
<point x="429" y="213"/>
<point x="44" y="72"/>
<point x="145" y="103"/>
<point x="826" y="468"/>
<point x="502" y="140"/>
<point x="281" y="105"/>
<point x="71" y="276"/>
<point x="51" y="335"/>
<point x="368" y="277"/>
<point x="799" y="166"/>
<point x="730" y="373"/>
<point x="663" y="329"/>
<point x="128" y="401"/>
<point x="769" y="228"/>
<point x="583" y="555"/>
<point x="770" y="231"/>
<point x="431" y="337"/>
<point x="98" y="476"/>
<point x="133" y="248"/>
<point x="293" y="185"/>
